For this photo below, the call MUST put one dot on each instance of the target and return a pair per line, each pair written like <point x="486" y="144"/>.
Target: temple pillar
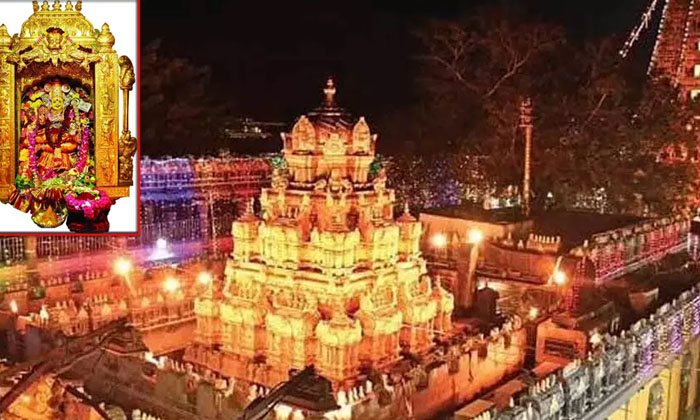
<point x="465" y="292"/>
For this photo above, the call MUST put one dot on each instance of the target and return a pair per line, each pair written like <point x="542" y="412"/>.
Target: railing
<point x="649" y="347"/>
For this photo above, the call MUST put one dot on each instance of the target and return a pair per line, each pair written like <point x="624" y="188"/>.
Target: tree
<point x="595" y="130"/>
<point x="179" y="116"/>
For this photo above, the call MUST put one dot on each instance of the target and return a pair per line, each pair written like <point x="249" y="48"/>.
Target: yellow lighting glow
<point x="122" y="267"/>
<point x="204" y="278"/>
<point x="161" y="243"/>
<point x="44" y="314"/>
<point x="559" y="278"/>
<point x="13" y="306"/>
<point x="595" y="339"/>
<point x="171" y="284"/>
<point x="475" y="236"/>
<point x="439" y="240"/>
<point x="533" y="313"/>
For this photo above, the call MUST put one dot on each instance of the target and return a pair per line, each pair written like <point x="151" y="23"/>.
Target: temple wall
<point x="476" y="375"/>
<point x="165" y="340"/>
<point x="678" y="399"/>
<point x="447" y="383"/>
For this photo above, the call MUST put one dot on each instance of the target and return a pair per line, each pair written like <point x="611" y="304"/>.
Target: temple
<point x="677" y="50"/>
<point x="326" y="275"/>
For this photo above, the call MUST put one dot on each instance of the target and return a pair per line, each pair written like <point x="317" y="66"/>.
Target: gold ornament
<point x="58" y="42"/>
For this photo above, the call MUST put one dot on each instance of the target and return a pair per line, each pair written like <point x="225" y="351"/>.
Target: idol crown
<point x="56" y="7"/>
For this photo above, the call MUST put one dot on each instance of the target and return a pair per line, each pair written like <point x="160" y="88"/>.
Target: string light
<point x="641" y="26"/>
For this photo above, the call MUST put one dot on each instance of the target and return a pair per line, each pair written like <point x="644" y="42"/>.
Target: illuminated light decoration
<point x="13" y="306"/>
<point x="204" y="278"/>
<point x="676" y="332"/>
<point x="559" y="278"/>
<point x="641" y="26"/>
<point x="573" y="295"/>
<point x="190" y="199"/>
<point x="596" y="339"/>
<point x="676" y="50"/>
<point x="171" y="284"/>
<point x="655" y="53"/>
<point x="648" y="350"/>
<point x="439" y="240"/>
<point x="308" y="218"/>
<point x="533" y="313"/>
<point x="161" y="252"/>
<point x="43" y="314"/>
<point x="122" y="267"/>
<point x="681" y="62"/>
<point x="475" y="236"/>
<point x="696" y="315"/>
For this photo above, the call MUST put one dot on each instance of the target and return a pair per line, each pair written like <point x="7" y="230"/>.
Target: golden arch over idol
<point x="63" y="154"/>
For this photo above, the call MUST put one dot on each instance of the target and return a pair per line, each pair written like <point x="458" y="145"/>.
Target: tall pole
<point x="526" y="125"/>
<point x="215" y="248"/>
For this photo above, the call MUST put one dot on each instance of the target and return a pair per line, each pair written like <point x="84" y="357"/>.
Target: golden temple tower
<point x="327" y="275"/>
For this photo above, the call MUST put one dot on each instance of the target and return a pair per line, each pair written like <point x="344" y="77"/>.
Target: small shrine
<point x="326" y="274"/>
<point x="62" y="154"/>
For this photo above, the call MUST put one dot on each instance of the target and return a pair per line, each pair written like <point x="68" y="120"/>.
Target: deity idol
<point x="63" y="132"/>
<point x="70" y="138"/>
<point x="43" y="150"/>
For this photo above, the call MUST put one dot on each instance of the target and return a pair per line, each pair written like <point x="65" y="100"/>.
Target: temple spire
<point x="329" y="91"/>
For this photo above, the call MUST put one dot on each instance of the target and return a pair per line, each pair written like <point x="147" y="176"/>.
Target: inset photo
<point x="68" y="117"/>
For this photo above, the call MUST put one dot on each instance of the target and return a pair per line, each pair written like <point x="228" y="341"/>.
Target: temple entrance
<point x="56" y="131"/>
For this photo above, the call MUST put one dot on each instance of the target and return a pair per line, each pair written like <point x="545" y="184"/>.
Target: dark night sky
<point x="271" y="58"/>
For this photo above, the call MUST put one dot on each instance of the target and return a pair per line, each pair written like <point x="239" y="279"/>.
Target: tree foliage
<point x="594" y="127"/>
<point x="176" y="105"/>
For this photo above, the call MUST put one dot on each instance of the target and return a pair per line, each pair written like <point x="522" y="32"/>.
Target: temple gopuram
<point x="327" y="276"/>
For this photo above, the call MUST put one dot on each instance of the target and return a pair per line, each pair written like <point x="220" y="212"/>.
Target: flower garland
<point x="83" y="150"/>
<point x="89" y="207"/>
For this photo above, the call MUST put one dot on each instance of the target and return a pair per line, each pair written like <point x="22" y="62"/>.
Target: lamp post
<point x="559" y="281"/>
<point x="467" y="290"/>
<point x="206" y="280"/>
<point x="12" y="338"/>
<point x="439" y="242"/>
<point x="526" y="125"/>
<point x="123" y="268"/>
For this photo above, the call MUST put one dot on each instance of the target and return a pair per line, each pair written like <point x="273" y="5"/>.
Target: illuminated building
<point x="521" y="253"/>
<point x="190" y="199"/>
<point x="677" y="50"/>
<point x="327" y="275"/>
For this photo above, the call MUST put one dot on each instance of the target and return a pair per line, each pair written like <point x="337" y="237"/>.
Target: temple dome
<point x="328" y="139"/>
<point x="329" y="116"/>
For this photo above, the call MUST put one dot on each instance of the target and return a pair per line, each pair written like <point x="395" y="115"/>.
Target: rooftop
<point x="479" y="214"/>
<point x="574" y="227"/>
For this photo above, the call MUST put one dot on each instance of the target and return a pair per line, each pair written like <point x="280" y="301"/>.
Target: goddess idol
<point x="58" y="139"/>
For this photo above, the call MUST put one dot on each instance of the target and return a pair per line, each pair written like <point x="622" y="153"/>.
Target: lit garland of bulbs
<point x="637" y="31"/>
<point x="679" y="67"/>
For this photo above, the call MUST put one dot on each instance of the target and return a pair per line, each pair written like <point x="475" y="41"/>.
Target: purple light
<point x="696" y="315"/>
<point x="648" y="347"/>
<point x="676" y="333"/>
